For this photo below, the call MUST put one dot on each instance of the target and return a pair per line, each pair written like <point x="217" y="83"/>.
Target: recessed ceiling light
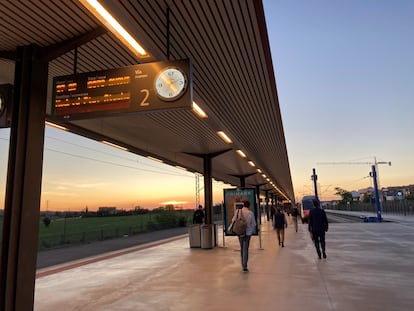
<point x="114" y="26"/>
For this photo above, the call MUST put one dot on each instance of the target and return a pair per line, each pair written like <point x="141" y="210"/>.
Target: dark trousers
<point x="244" y="241"/>
<point x="319" y="239"/>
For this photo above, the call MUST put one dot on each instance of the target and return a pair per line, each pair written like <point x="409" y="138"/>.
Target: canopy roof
<point x="233" y="79"/>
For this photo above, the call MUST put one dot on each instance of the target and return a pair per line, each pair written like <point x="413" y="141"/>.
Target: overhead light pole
<point x="315" y="185"/>
<point x="377" y="199"/>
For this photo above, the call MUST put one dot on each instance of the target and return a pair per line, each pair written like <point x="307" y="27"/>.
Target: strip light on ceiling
<point x="251" y="163"/>
<point x="114" y="26"/>
<point x="200" y="112"/>
<point x="181" y="168"/>
<point x="56" y="126"/>
<point x="155" y="159"/>
<point x="224" y="137"/>
<point x="113" y="145"/>
<point x="241" y="153"/>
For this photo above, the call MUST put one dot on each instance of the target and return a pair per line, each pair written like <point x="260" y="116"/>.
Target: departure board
<point x="122" y="90"/>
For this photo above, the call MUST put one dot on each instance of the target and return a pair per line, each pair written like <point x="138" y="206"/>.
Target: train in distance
<point x="306" y="206"/>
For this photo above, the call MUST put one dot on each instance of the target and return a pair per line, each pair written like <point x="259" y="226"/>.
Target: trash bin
<point x="194" y="233"/>
<point x="207" y="236"/>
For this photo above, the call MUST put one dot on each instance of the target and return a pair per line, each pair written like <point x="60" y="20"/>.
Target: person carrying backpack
<point x="244" y="239"/>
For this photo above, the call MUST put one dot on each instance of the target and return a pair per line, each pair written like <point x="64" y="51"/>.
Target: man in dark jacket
<point x="279" y="224"/>
<point x="318" y="225"/>
<point x="198" y="216"/>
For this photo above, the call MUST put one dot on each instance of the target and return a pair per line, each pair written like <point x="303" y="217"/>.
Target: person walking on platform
<point x="198" y="216"/>
<point x="318" y="225"/>
<point x="279" y="224"/>
<point x="244" y="239"/>
<point x="295" y="214"/>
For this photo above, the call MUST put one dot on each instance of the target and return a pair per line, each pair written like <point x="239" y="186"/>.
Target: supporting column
<point x="259" y="221"/>
<point x="206" y="231"/>
<point x="258" y="201"/>
<point x="208" y="189"/>
<point x="24" y="178"/>
<point x="377" y="199"/>
<point x="315" y="183"/>
<point x="208" y="181"/>
<point x="242" y="179"/>
<point x="267" y="205"/>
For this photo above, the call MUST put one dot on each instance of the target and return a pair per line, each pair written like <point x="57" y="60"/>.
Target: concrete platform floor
<point x="369" y="267"/>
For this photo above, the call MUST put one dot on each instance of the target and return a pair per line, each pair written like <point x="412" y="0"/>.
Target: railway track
<point x="339" y="218"/>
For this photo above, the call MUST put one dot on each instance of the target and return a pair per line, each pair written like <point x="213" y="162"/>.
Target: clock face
<point x="170" y="84"/>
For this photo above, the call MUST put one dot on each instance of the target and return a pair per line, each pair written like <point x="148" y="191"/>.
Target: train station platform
<point x="369" y="267"/>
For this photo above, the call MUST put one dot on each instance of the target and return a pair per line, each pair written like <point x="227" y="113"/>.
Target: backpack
<point x="239" y="225"/>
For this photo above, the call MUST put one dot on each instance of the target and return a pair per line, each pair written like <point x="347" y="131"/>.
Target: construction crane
<point x="354" y="162"/>
<point x="373" y="174"/>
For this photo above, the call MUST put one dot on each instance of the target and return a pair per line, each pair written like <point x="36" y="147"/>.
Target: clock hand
<point x="169" y="83"/>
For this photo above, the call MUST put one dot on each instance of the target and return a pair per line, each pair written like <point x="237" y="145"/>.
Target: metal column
<point x="208" y="189"/>
<point x="267" y="204"/>
<point x="208" y="181"/>
<point x="315" y="183"/>
<point x="258" y="201"/>
<point x="24" y="179"/>
<point x="377" y="198"/>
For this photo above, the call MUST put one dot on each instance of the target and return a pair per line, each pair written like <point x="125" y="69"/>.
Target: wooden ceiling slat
<point x="16" y="34"/>
<point x="236" y="122"/>
<point x="188" y="126"/>
<point x="231" y="74"/>
<point x="270" y="114"/>
<point x="151" y="16"/>
<point x="239" y="65"/>
<point x="209" y="70"/>
<point x="30" y="15"/>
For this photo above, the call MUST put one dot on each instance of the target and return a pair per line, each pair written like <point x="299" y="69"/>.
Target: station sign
<point x="138" y="88"/>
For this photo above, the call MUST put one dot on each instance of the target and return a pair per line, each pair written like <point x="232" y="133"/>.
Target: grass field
<point x="77" y="230"/>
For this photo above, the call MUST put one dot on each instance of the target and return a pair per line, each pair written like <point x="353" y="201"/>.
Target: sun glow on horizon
<point x="174" y="202"/>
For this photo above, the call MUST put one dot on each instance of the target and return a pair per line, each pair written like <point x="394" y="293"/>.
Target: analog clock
<point x="170" y="83"/>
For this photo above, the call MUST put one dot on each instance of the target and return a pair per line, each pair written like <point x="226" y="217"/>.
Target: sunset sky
<point x="80" y="173"/>
<point x="344" y="75"/>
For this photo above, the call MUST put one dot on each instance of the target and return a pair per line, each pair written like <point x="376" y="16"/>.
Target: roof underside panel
<point x="233" y="78"/>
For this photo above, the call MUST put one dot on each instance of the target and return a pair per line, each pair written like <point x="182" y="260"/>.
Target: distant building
<point x="393" y="193"/>
<point x="366" y="194"/>
<point x="355" y="196"/>
<point x="106" y="211"/>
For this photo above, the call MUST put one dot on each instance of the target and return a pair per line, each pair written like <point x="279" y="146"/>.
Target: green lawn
<point x="76" y="230"/>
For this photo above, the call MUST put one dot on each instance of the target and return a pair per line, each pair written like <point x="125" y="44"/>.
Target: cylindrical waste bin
<point x="207" y="236"/>
<point x="194" y="233"/>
